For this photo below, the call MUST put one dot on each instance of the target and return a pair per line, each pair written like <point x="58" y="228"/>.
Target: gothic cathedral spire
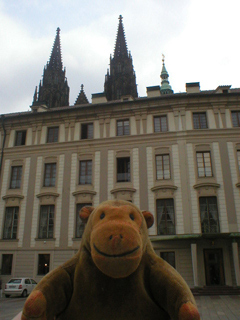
<point x="122" y="79"/>
<point x="53" y="89"/>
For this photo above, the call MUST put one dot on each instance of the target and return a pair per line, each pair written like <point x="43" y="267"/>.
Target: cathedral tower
<point x="121" y="80"/>
<point x="53" y="88"/>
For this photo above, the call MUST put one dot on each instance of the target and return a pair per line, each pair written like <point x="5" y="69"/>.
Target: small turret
<point x="81" y="99"/>
<point x="165" y="86"/>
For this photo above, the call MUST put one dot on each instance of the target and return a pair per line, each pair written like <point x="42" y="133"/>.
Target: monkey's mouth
<point x="116" y="255"/>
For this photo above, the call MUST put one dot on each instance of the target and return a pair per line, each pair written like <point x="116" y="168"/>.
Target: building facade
<point x="176" y="155"/>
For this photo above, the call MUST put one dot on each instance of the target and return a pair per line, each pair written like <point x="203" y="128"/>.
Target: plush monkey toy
<point x="115" y="274"/>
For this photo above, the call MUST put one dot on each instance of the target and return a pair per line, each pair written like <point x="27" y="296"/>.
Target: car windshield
<point x="15" y="281"/>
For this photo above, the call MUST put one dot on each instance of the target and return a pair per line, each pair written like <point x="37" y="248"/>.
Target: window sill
<point x="45" y="239"/>
<point x="77" y="239"/>
<point x="10" y="240"/>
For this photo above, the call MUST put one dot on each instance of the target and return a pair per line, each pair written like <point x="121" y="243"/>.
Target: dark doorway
<point x="214" y="271"/>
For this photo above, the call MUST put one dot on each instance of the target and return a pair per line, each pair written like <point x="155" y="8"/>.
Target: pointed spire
<point x="56" y="58"/>
<point x="81" y="99"/>
<point x="53" y="89"/>
<point x="165" y="86"/>
<point x="35" y="95"/>
<point x="121" y="80"/>
<point x="121" y="45"/>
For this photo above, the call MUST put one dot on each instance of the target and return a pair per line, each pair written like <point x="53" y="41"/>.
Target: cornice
<point x="164" y="187"/>
<point x="85" y="191"/>
<point x="123" y="189"/>
<point x="13" y="196"/>
<point x="47" y="194"/>
<point x="206" y="185"/>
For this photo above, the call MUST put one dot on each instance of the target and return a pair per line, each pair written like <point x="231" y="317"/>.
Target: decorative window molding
<point x="164" y="191"/>
<point x="13" y="199"/>
<point x="84" y="196"/>
<point x="47" y="197"/>
<point x="123" y="193"/>
<point x="207" y="189"/>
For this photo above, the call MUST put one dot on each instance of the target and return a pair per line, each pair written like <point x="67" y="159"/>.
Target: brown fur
<point x="115" y="274"/>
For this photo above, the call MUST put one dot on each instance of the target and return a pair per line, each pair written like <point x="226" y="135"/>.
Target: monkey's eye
<point x="131" y="216"/>
<point x="102" y="215"/>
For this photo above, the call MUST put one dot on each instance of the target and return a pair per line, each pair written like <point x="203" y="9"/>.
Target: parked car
<point x="19" y="286"/>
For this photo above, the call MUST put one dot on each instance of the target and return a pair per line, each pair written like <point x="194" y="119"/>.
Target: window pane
<point x="6" y="264"/>
<point x="123" y="169"/>
<point x="50" y="174"/>
<point x="209" y="214"/>
<point x="20" y="138"/>
<point x="160" y="124"/>
<point x="43" y="263"/>
<point x="236" y="118"/>
<point x="85" y="172"/>
<point x="16" y="177"/>
<point x="163" y="166"/>
<point x="87" y="131"/>
<point x="46" y="223"/>
<point x="169" y="257"/>
<point x="204" y="164"/>
<point x="199" y="120"/>
<point x="11" y="222"/>
<point x="123" y="127"/>
<point x="165" y="216"/>
<point x="79" y="224"/>
<point x="238" y="156"/>
<point x="52" y="134"/>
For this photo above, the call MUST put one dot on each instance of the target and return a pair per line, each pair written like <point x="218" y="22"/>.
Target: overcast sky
<point x="200" y="41"/>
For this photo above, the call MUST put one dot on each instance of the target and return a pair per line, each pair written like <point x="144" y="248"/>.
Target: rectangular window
<point x="200" y="120"/>
<point x="236" y="118"/>
<point x="123" y="127"/>
<point x="20" y="138"/>
<point x="85" y="172"/>
<point x="165" y="216"/>
<point x="238" y="157"/>
<point x="169" y="257"/>
<point x="16" y="176"/>
<point x="123" y="169"/>
<point x="10" y="223"/>
<point x="50" y="175"/>
<point x="160" y="124"/>
<point x="46" y="223"/>
<point x="163" y="167"/>
<point x="52" y="135"/>
<point x="209" y="214"/>
<point x="87" y="131"/>
<point x="43" y="264"/>
<point x="79" y="224"/>
<point x="204" y="164"/>
<point x="6" y="264"/>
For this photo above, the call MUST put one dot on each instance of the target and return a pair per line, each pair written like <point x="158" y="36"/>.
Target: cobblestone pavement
<point x="219" y="307"/>
<point x="210" y="307"/>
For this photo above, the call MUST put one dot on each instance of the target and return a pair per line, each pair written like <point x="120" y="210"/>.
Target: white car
<point x="19" y="286"/>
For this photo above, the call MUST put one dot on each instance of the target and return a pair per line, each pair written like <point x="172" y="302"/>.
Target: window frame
<point x="79" y="224"/>
<point x="237" y="118"/>
<point x="204" y="162"/>
<point x="86" y="175"/>
<point x="86" y="132"/>
<point x="126" y="166"/>
<point x="160" y="124"/>
<point x="200" y="124"/>
<point x="9" y="267"/>
<point x="46" y="264"/>
<point x="163" y="167"/>
<point x="123" y="129"/>
<point x="52" y="178"/>
<point x="208" y="216"/>
<point x="167" y="230"/>
<point x="162" y="253"/>
<point x="238" y="160"/>
<point x="50" y="216"/>
<point x="13" y="225"/>
<point x="52" y="134"/>
<point x="18" y="179"/>
<point x="20" y="141"/>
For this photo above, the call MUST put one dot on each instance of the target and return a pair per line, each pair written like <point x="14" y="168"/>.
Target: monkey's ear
<point x="85" y="213"/>
<point x="149" y="218"/>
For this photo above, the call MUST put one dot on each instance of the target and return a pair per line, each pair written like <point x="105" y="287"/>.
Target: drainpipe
<point x="4" y="137"/>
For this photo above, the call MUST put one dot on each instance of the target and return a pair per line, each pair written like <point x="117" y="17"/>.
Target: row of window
<point x="163" y="172"/>
<point x="43" y="264"/>
<point x="123" y="127"/>
<point x="165" y="219"/>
